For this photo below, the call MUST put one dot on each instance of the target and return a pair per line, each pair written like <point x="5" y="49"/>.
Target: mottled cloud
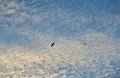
<point x="84" y="43"/>
<point x="98" y="54"/>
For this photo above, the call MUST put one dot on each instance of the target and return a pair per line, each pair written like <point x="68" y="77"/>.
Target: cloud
<point x="91" y="48"/>
<point x="95" y="56"/>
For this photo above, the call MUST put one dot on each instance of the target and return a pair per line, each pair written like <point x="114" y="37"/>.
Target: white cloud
<point x="92" y="52"/>
<point x="99" y="50"/>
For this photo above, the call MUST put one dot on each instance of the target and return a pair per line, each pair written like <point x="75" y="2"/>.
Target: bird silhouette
<point x="52" y="44"/>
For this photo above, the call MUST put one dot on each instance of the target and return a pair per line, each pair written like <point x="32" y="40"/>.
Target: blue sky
<point x="56" y="18"/>
<point x="66" y="18"/>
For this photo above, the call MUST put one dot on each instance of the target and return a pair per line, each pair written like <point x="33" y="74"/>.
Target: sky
<point x="85" y="26"/>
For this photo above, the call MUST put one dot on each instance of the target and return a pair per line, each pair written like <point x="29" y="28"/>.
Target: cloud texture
<point x="86" y="35"/>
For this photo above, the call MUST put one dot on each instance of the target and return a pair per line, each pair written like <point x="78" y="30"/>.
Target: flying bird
<point x="52" y="44"/>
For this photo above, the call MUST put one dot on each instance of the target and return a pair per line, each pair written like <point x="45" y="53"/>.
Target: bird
<point x="52" y="44"/>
